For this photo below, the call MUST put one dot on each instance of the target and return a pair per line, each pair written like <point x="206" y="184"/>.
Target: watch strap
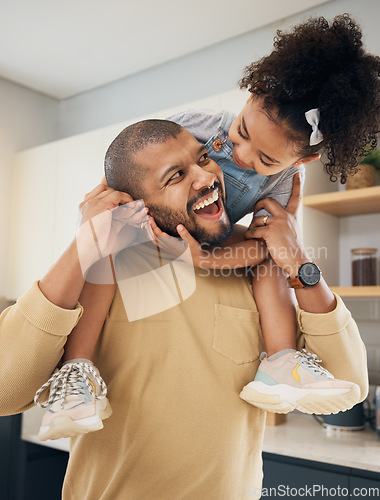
<point x="295" y="283"/>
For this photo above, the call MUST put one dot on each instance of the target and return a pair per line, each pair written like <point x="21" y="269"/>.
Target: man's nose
<point x="202" y="178"/>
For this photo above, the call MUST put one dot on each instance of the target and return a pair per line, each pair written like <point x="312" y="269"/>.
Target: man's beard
<point x="168" y="220"/>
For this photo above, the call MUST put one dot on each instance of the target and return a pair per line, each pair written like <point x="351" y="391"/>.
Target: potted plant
<point x="366" y="174"/>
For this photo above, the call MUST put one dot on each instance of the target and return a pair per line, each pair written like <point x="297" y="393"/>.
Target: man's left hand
<point x="280" y="231"/>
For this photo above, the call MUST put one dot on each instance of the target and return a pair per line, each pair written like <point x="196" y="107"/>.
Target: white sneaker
<point x="77" y="402"/>
<point x="295" y="380"/>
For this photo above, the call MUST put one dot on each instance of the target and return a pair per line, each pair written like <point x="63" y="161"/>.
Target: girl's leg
<point x="290" y="379"/>
<point x="77" y="402"/>
<point x="96" y="301"/>
<point x="277" y="307"/>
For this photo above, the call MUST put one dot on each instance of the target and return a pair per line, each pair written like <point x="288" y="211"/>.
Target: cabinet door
<point x="321" y="230"/>
<point x="295" y="478"/>
<point x="32" y="217"/>
<point x="321" y="239"/>
<point x="80" y="169"/>
<point x="363" y="487"/>
<point x="49" y="183"/>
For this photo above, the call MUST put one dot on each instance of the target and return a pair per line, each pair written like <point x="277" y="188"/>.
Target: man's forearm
<point x="63" y="283"/>
<point x="316" y="299"/>
<point x="335" y="338"/>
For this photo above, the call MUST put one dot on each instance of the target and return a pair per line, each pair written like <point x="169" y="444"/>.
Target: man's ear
<point x="307" y="159"/>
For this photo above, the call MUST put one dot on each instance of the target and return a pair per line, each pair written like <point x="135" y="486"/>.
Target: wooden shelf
<point x="349" y="202"/>
<point x="357" y="291"/>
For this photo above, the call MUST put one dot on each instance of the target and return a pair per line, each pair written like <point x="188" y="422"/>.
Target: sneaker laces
<point x="66" y="382"/>
<point x="312" y="361"/>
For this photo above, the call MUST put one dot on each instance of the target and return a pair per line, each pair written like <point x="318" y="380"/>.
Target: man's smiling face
<point x="182" y="185"/>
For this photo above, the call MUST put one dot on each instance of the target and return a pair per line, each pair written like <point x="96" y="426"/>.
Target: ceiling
<point x="63" y="48"/>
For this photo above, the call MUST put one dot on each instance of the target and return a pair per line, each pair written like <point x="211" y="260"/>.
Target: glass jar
<point x="364" y="270"/>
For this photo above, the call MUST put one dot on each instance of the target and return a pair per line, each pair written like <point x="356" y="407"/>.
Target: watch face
<point x="309" y="274"/>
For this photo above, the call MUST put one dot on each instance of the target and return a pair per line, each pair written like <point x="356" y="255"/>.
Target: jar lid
<point x="363" y="251"/>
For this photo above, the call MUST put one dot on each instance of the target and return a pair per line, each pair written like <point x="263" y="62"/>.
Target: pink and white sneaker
<point x="294" y="380"/>
<point x="77" y="402"/>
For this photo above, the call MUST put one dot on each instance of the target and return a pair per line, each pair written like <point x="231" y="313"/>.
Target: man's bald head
<point x="123" y="173"/>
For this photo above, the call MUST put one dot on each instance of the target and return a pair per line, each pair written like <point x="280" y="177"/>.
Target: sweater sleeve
<point x="33" y="333"/>
<point x="335" y="338"/>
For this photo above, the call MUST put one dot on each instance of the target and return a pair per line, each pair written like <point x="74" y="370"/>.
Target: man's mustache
<point x="206" y="191"/>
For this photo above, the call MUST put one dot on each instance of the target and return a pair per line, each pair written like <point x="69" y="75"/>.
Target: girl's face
<point x="260" y="143"/>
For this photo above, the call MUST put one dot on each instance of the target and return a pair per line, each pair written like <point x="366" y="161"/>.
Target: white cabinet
<point x="79" y="170"/>
<point x="49" y="183"/>
<point x="32" y="217"/>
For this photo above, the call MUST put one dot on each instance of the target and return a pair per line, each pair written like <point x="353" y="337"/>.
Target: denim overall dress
<point x="243" y="186"/>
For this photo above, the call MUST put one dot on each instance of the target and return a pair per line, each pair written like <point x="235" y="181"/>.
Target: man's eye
<point x="177" y="175"/>
<point x="204" y="159"/>
<point x="241" y="134"/>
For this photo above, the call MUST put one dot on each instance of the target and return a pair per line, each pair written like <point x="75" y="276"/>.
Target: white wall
<point x="198" y="75"/>
<point x="26" y="119"/>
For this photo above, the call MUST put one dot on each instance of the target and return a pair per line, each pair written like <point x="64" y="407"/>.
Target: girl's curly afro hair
<point x="322" y="65"/>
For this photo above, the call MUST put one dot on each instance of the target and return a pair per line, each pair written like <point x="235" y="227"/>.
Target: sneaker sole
<point x="64" y="427"/>
<point x="283" y="399"/>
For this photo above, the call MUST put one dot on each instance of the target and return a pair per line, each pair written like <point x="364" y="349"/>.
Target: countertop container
<point x="364" y="266"/>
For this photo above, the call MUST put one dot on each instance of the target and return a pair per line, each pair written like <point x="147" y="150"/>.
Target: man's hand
<point x="179" y="248"/>
<point x="106" y="221"/>
<point x="281" y="231"/>
<point x="107" y="224"/>
<point x="100" y="199"/>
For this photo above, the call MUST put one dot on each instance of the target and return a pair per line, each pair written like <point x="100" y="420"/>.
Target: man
<point x="179" y="429"/>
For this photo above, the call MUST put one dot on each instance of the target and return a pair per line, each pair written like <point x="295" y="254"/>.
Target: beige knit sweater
<point x="179" y="430"/>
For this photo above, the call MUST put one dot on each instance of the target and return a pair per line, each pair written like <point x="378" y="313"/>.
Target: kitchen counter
<point x="300" y="437"/>
<point x="303" y="437"/>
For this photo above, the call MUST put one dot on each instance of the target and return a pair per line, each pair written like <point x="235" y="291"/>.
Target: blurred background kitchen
<point x="72" y="75"/>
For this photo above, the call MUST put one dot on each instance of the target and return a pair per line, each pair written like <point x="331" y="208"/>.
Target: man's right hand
<point x="100" y="199"/>
<point x="107" y="224"/>
<point x="63" y="283"/>
<point x="281" y="231"/>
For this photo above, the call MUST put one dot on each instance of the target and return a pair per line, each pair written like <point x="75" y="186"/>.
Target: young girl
<point x="318" y="91"/>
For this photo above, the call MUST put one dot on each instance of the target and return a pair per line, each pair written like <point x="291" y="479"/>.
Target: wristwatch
<point x="309" y="274"/>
